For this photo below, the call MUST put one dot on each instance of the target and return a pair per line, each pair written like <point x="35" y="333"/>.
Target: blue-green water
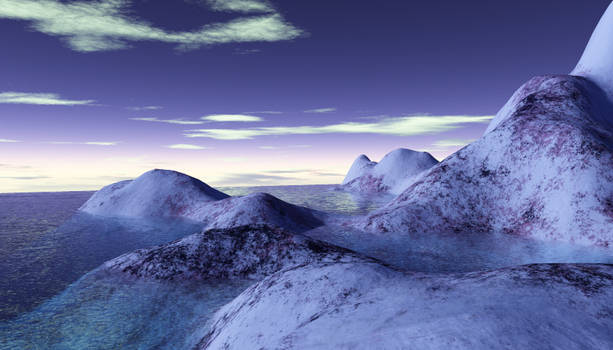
<point x="52" y="296"/>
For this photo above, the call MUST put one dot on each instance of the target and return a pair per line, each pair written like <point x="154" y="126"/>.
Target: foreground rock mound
<point x="240" y="252"/>
<point x="366" y="306"/>
<point x="543" y="169"/>
<point x="156" y="193"/>
<point x="396" y="171"/>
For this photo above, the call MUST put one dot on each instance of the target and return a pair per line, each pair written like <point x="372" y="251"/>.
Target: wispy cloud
<point x="87" y="143"/>
<point x="252" y="179"/>
<point x="169" y="121"/>
<point x="239" y="51"/>
<point x="399" y="126"/>
<point x="31" y="98"/>
<point x="452" y="143"/>
<point x="245" y="6"/>
<point x="264" y="112"/>
<point x="24" y="177"/>
<point x="186" y="146"/>
<point x="231" y="118"/>
<point x="321" y="110"/>
<point x="279" y="147"/>
<point x="8" y="141"/>
<point x="145" y="108"/>
<point x="89" y="26"/>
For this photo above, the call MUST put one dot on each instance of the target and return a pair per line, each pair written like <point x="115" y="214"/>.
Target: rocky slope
<point x="394" y="173"/>
<point x="239" y="252"/>
<point x="542" y="169"/>
<point x="366" y="306"/>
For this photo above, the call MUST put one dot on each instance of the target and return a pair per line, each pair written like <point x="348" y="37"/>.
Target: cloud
<point x="88" y="143"/>
<point x="169" y="121"/>
<point x="8" y="141"/>
<point x="186" y="146"/>
<point x="290" y="146"/>
<point x="452" y="143"/>
<point x="399" y="126"/>
<point x="30" y="98"/>
<point x="252" y="178"/>
<point x="239" y="51"/>
<point x="321" y="110"/>
<point x="145" y="108"/>
<point x="231" y="118"/>
<point x="24" y="177"/>
<point x="264" y="112"/>
<point x="89" y="26"/>
<point x="245" y="6"/>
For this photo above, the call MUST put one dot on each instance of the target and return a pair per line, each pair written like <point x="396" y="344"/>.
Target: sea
<point x="53" y="296"/>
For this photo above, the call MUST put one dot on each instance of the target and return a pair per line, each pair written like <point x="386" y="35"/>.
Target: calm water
<point x="49" y="300"/>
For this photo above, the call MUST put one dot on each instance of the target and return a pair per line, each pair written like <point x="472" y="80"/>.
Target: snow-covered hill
<point x="395" y="172"/>
<point x="156" y="193"/>
<point x="543" y="169"/>
<point x="244" y="251"/>
<point x="367" y="306"/>
<point x="596" y="63"/>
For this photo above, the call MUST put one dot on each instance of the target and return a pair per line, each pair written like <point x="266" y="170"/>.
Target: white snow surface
<point x="156" y="193"/>
<point x="543" y="170"/>
<point x="367" y="306"/>
<point x="596" y="63"/>
<point x="394" y="173"/>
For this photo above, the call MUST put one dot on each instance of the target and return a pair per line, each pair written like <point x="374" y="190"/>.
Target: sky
<point x="254" y="92"/>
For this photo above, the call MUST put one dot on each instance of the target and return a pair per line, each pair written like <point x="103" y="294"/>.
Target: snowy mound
<point x="366" y="306"/>
<point x="258" y="209"/>
<point x="156" y="193"/>
<point x="246" y="251"/>
<point x="395" y="172"/>
<point x="596" y="63"/>
<point x="542" y="170"/>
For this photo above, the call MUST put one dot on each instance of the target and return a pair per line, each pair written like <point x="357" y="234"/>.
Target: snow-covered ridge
<point x="596" y="63"/>
<point x="238" y="252"/>
<point x="367" y="306"/>
<point x="156" y="193"/>
<point x="395" y="172"/>
<point x="543" y="171"/>
<point x="165" y="193"/>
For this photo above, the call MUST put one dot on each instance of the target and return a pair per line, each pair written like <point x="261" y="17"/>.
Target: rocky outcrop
<point x="239" y="252"/>
<point x="542" y="169"/>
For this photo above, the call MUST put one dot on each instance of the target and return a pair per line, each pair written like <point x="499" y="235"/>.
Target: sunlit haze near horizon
<point x="250" y="92"/>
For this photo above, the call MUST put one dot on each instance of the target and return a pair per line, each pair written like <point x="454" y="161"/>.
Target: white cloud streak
<point x="169" y="121"/>
<point x="87" y="143"/>
<point x="30" y="98"/>
<point x="245" y="6"/>
<point x="186" y="147"/>
<point x="231" y="118"/>
<point x="452" y="143"/>
<point x="399" y="126"/>
<point x="8" y="141"/>
<point x="89" y="26"/>
<point x="145" y="108"/>
<point x="321" y="110"/>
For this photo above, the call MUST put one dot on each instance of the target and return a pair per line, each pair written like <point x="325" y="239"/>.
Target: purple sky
<point x="98" y="98"/>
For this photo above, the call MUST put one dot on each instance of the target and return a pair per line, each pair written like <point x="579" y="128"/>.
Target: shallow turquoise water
<point x="49" y="300"/>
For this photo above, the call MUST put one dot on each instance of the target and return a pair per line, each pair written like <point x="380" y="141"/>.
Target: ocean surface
<point x="53" y="297"/>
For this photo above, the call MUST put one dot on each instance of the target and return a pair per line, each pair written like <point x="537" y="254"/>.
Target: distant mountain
<point x="166" y="193"/>
<point x="394" y="173"/>
<point x="156" y="193"/>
